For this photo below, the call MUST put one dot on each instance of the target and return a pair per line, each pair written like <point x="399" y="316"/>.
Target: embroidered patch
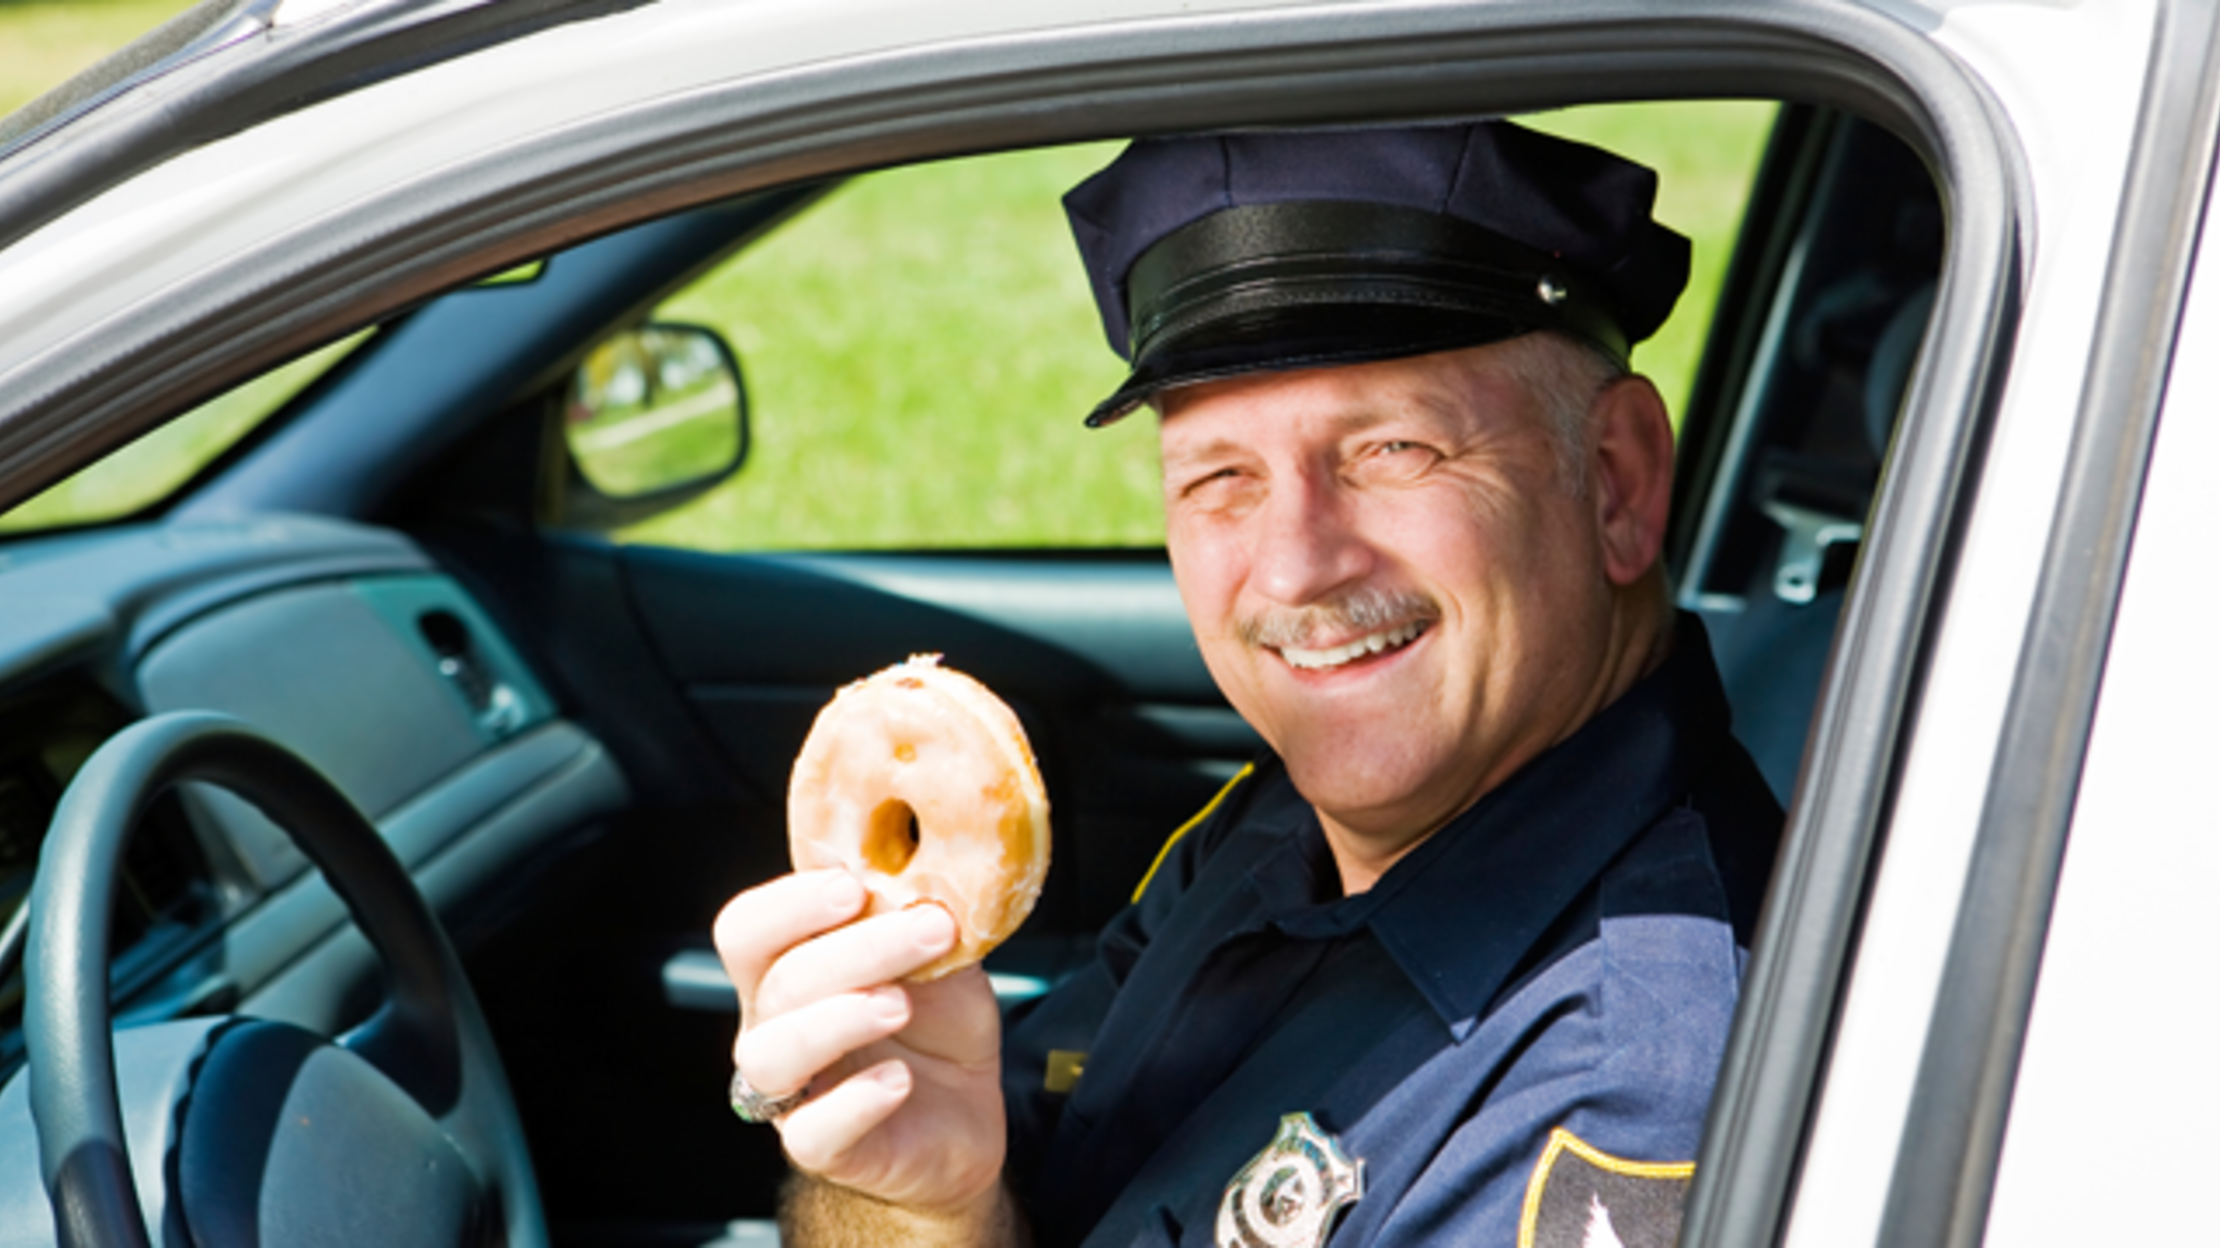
<point x="1289" y="1194"/>
<point x="1064" y="1069"/>
<point x="1583" y="1197"/>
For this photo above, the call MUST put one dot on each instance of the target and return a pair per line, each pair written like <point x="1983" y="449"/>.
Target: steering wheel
<point x="403" y="1132"/>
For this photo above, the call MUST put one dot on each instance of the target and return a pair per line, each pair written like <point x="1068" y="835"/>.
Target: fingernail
<point x="932" y="929"/>
<point x="894" y="1077"/>
<point x="889" y="1003"/>
<point x="843" y="893"/>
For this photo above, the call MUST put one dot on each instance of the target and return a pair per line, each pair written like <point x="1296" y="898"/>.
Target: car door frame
<point x="144" y="359"/>
<point x="1946" y="1167"/>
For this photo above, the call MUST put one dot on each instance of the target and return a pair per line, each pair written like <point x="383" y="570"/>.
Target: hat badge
<point x="1288" y="1195"/>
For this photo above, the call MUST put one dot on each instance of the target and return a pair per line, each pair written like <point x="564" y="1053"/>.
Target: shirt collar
<point x="1500" y="873"/>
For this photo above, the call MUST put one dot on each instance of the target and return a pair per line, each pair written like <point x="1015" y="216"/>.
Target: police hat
<point x="1217" y="255"/>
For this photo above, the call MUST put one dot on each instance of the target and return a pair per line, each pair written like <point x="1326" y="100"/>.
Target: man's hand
<point x="905" y="1079"/>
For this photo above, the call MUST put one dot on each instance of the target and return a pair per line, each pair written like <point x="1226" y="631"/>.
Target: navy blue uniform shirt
<point x="1550" y="975"/>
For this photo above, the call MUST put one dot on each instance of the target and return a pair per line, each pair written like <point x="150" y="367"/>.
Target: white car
<point x="429" y="263"/>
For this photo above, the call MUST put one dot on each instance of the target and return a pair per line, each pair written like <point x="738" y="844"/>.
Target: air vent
<point x="496" y="707"/>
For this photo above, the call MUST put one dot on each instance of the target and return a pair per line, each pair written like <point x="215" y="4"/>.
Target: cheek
<point x="1206" y="570"/>
<point x="1460" y="539"/>
<point x="1495" y="559"/>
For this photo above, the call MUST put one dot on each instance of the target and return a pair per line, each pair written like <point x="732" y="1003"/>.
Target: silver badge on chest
<point x="1287" y="1196"/>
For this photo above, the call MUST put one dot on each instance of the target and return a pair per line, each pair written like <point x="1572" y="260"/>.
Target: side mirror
<point x="653" y="417"/>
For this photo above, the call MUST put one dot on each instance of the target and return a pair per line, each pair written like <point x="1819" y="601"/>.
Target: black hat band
<point x="1337" y="281"/>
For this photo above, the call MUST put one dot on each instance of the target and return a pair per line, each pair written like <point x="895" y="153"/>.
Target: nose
<point x="1307" y="544"/>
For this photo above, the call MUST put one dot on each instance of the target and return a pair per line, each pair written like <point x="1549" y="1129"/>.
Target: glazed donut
<point x="920" y="781"/>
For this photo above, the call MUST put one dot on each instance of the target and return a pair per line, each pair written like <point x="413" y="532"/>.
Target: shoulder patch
<point x="1583" y="1197"/>
<point x="1209" y="808"/>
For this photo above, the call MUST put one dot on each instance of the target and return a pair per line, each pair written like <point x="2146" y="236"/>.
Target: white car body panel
<point x="2076" y="146"/>
<point x="2117" y="1091"/>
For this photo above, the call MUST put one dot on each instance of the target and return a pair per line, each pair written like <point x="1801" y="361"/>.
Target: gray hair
<point x="1568" y="373"/>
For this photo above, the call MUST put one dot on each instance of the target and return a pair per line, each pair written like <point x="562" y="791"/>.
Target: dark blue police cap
<point x="1218" y="255"/>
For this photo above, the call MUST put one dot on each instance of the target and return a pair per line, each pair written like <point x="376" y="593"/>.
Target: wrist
<point x="816" y="1214"/>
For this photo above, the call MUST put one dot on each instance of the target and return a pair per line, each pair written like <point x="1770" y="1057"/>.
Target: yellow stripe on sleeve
<point x="1182" y="830"/>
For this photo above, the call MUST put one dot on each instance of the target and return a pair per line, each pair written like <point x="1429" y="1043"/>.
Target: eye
<point x="1203" y="483"/>
<point x="1395" y="457"/>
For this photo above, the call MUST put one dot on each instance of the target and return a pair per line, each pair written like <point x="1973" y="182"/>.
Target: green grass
<point x="44" y="42"/>
<point x="919" y="349"/>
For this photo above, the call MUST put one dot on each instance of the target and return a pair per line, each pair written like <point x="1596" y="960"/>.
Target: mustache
<point x="1360" y="610"/>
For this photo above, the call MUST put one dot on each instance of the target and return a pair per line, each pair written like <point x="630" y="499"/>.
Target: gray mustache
<point x="1362" y="610"/>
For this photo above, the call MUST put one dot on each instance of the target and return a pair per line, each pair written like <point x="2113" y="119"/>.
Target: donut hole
<point x="890" y="839"/>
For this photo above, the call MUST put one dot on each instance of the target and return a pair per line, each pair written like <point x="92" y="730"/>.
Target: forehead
<point x="1471" y="388"/>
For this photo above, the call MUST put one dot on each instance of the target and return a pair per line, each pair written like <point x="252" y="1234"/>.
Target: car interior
<point x="418" y="570"/>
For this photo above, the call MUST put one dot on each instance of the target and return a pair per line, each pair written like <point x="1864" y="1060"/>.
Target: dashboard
<point x="344" y="643"/>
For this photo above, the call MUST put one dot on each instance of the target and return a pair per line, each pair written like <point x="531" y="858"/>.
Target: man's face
<point x="1391" y="578"/>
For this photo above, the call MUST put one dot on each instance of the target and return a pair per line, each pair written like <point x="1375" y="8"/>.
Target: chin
<point x="1371" y="792"/>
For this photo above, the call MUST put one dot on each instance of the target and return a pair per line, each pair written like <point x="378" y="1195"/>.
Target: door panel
<point x="1092" y="651"/>
<point x="702" y="673"/>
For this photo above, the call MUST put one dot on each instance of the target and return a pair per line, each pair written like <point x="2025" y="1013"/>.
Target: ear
<point x="1630" y="466"/>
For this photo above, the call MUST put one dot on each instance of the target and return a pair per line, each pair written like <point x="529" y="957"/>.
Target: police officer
<point x="1454" y="962"/>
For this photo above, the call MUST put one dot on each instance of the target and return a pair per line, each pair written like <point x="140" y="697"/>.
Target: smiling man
<point x="1454" y="962"/>
<point x="1379" y="563"/>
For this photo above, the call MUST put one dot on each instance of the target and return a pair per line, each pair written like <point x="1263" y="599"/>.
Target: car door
<point x="587" y="993"/>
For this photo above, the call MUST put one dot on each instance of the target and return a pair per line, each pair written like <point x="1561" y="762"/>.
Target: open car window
<point x="920" y="345"/>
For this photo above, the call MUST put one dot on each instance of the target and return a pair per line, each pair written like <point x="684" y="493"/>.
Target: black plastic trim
<point x="581" y="503"/>
<point x="1778" y="198"/>
<point x="1953" y="1137"/>
<point x="510" y="803"/>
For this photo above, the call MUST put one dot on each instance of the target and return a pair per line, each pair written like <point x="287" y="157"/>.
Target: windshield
<point x="149" y="469"/>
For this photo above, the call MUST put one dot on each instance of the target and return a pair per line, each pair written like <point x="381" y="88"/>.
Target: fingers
<point x="757" y="926"/>
<point x="783" y="1053"/>
<point x="819" y="1134"/>
<point x="876" y="951"/>
<point x="818" y="1002"/>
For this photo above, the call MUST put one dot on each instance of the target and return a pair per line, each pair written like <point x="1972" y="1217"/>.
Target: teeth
<point x="1338" y="655"/>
